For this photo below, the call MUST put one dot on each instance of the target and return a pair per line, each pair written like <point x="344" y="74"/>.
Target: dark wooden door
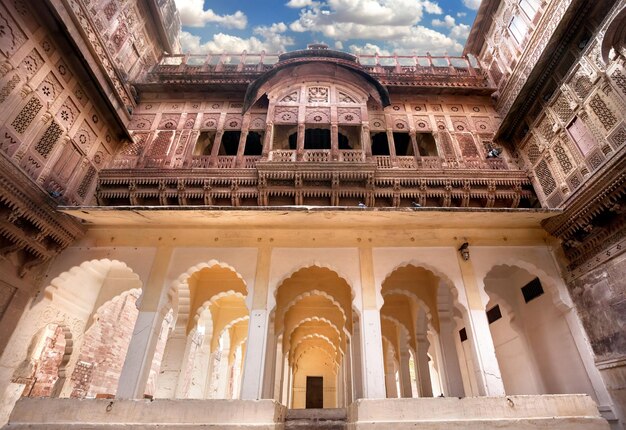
<point x="314" y="392"/>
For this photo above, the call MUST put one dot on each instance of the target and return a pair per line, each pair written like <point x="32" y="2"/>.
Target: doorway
<point x="314" y="392"/>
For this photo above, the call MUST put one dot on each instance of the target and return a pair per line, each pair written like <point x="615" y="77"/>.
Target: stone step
<point x="311" y="419"/>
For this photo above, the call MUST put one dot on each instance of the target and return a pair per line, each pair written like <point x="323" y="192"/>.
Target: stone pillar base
<point x="571" y="412"/>
<point x="58" y="414"/>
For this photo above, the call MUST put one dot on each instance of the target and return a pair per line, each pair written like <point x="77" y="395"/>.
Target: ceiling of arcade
<point x="314" y="316"/>
<point x="408" y="290"/>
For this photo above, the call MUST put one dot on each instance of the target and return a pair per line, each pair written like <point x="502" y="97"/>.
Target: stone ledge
<point x="572" y="412"/>
<point x="34" y="413"/>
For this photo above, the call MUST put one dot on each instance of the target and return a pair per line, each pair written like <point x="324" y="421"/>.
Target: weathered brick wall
<point x="46" y="365"/>
<point x="104" y="349"/>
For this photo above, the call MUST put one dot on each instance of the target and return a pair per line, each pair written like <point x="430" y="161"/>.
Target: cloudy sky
<point x="365" y="26"/>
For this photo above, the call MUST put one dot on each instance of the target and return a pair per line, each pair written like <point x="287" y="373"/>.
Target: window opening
<point x="230" y="143"/>
<point x="380" y="144"/>
<point x="580" y="134"/>
<point x="532" y="290"/>
<point x="518" y="29"/>
<point x="402" y="143"/>
<point x="494" y="314"/>
<point x="204" y="144"/>
<point x="530" y="8"/>
<point x="426" y="145"/>
<point x="317" y="138"/>
<point x="463" y="334"/>
<point x="254" y="144"/>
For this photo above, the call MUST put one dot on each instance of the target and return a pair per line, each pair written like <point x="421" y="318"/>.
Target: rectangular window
<point x="581" y="135"/>
<point x="530" y="8"/>
<point x="518" y="29"/>
<point x="463" y="334"/>
<point x="532" y="290"/>
<point x="494" y="314"/>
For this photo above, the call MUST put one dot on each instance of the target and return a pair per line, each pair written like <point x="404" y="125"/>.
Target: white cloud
<point x="432" y="8"/>
<point x="297" y="4"/>
<point x="447" y="22"/>
<point x="270" y="39"/>
<point x="338" y="45"/>
<point x="461" y="14"/>
<point x="472" y="4"/>
<point x="192" y="14"/>
<point x="419" y="40"/>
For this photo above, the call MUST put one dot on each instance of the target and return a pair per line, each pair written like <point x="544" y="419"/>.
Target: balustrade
<point x="430" y="163"/>
<point x="201" y="161"/>
<point x="317" y="155"/>
<point x="351" y="156"/>
<point x="249" y="161"/>
<point x="383" y="162"/>
<point x="282" y="155"/>
<point x="406" y="162"/>
<point x="225" y="161"/>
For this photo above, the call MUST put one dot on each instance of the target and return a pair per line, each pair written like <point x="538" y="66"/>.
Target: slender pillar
<point x="334" y="142"/>
<point x="372" y="345"/>
<point x="392" y="146"/>
<point x="267" y="391"/>
<point x="405" y="370"/>
<point x="450" y="358"/>
<point x="300" y="142"/>
<point x="390" y="379"/>
<point x="357" y="371"/>
<point x="348" y="364"/>
<point x="215" y="150"/>
<point x="136" y="369"/>
<point x="340" y="385"/>
<point x="252" y="381"/>
<point x="423" y="369"/>
<point x="171" y="367"/>
<point x="486" y="366"/>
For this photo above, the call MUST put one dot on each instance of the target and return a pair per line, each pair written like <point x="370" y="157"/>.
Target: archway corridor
<point x="312" y="329"/>
<point x="205" y="352"/>
<point x="419" y="323"/>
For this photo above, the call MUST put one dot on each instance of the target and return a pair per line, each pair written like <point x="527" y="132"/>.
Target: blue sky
<point x="365" y="26"/>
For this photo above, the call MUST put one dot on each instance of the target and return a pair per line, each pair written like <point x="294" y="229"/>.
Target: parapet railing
<point x="245" y="62"/>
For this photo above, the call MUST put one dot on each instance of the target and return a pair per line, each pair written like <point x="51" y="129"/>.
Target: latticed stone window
<point x="49" y="139"/>
<point x="545" y="178"/>
<point x="9" y="87"/>
<point x="26" y="115"/>
<point x="618" y="138"/>
<point x="533" y="152"/>
<point x="86" y="182"/>
<point x="546" y="129"/>
<point x="563" y="158"/>
<point x="161" y="144"/>
<point x="620" y="80"/>
<point x="134" y="148"/>
<point x="562" y="109"/>
<point x="468" y="147"/>
<point x="582" y="86"/>
<point x="602" y="111"/>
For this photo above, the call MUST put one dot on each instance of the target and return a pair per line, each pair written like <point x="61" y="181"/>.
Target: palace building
<point x="312" y="238"/>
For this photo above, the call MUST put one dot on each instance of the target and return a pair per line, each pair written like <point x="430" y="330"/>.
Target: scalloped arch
<point x="312" y="293"/>
<point x="562" y="302"/>
<point x="320" y="265"/>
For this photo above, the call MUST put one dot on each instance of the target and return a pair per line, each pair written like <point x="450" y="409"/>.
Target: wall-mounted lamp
<point x="464" y="250"/>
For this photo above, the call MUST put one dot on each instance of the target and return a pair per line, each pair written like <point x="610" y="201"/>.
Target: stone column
<point x="449" y="357"/>
<point x="372" y="345"/>
<point x="405" y="371"/>
<point x="423" y="369"/>
<point x="486" y="366"/>
<point x="267" y="140"/>
<point x="215" y="150"/>
<point x="390" y="380"/>
<point x="171" y="368"/>
<point x="392" y="146"/>
<point x="334" y="142"/>
<point x="267" y="391"/>
<point x="416" y="149"/>
<point x="357" y="371"/>
<point x="252" y="380"/>
<point x="300" y="142"/>
<point x="366" y="140"/>
<point x="136" y="369"/>
<point x="347" y="359"/>
<point x="340" y="390"/>
<point x="245" y="125"/>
